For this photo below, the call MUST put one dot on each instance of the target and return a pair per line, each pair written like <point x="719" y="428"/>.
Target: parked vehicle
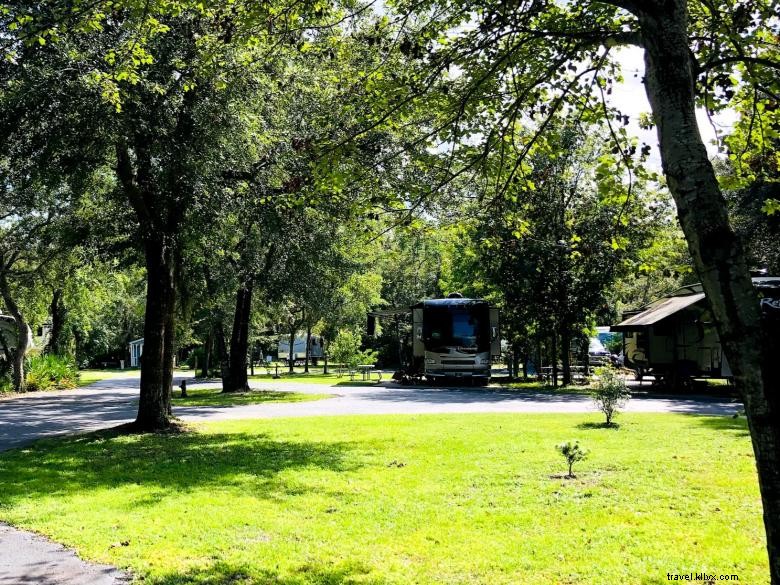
<point x="451" y="338"/>
<point x="316" y="350"/>
<point x="597" y="353"/>
<point x="674" y="338"/>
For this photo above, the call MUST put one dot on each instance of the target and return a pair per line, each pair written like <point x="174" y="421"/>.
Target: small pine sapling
<point x="572" y="452"/>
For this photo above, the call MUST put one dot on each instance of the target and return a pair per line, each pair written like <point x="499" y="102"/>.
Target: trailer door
<point x="495" y="334"/>
<point x="418" y="347"/>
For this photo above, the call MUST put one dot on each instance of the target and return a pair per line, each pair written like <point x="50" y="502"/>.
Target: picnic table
<point x="365" y="371"/>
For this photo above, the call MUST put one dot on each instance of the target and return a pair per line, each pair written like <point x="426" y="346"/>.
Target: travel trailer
<point x="451" y="338"/>
<point x="674" y="338"/>
<point x="299" y="349"/>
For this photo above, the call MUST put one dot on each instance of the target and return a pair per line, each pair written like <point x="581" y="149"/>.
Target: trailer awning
<point x="390" y="312"/>
<point x="659" y="311"/>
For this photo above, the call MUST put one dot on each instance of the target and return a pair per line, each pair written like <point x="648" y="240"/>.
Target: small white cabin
<point x="136" y="351"/>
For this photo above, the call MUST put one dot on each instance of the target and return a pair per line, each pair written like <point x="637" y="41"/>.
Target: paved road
<point x="26" y="558"/>
<point x="112" y="402"/>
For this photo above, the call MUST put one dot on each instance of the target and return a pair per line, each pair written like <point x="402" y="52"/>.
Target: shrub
<point x="345" y="349"/>
<point x="610" y="393"/>
<point x="48" y="372"/>
<point x="572" y="452"/>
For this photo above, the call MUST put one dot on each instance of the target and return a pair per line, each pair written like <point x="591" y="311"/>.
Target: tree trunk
<point x="237" y="381"/>
<point x="554" y="358"/>
<point x="56" y="343"/>
<point x="324" y="357"/>
<point x="292" y="350"/>
<point x="154" y="405"/>
<point x="566" y="356"/>
<point x="308" y="348"/>
<point x="718" y="255"/>
<point x="22" y="338"/>
<point x="204" y="373"/>
<point x="224" y="356"/>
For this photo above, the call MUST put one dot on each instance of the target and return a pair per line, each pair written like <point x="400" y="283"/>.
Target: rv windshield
<point x="464" y="328"/>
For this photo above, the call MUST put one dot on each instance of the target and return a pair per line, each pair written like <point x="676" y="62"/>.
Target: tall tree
<point x="527" y="62"/>
<point x="172" y="98"/>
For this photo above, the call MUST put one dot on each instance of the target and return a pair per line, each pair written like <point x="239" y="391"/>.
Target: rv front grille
<point x="457" y="362"/>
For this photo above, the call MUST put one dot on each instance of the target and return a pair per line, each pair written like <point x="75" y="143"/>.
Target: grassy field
<point x="317" y="378"/>
<point x="215" y="397"/>
<point x="87" y="377"/>
<point x="455" y="499"/>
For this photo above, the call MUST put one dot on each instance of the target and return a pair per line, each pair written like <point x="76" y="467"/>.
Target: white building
<point x="136" y="351"/>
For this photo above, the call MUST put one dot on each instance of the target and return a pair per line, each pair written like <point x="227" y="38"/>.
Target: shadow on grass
<point x="587" y="426"/>
<point x="221" y="573"/>
<point x="180" y="461"/>
<point x="738" y="425"/>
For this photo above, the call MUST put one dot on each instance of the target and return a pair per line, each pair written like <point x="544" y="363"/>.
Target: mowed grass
<point x="318" y="378"/>
<point x="454" y="499"/>
<point x="215" y="397"/>
<point x="87" y="377"/>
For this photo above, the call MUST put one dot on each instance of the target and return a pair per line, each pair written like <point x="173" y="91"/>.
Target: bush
<point x="48" y="372"/>
<point x="572" y="452"/>
<point x="345" y="349"/>
<point x="610" y="393"/>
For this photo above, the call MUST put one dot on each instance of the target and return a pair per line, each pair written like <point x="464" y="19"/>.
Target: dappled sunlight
<point x="107" y="460"/>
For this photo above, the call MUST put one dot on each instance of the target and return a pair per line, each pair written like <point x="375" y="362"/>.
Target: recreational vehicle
<point x="451" y="338"/>
<point x="299" y="349"/>
<point x="674" y="338"/>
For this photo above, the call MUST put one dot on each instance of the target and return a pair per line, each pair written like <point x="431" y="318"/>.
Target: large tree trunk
<point x="154" y="405"/>
<point x="237" y="381"/>
<point x="57" y="343"/>
<point x="718" y="255"/>
<point x="22" y="338"/>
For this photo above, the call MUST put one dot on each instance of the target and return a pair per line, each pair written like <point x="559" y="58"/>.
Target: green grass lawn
<point x="317" y="378"/>
<point x="454" y="499"/>
<point x="215" y="397"/>
<point x="536" y="386"/>
<point x="87" y="377"/>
